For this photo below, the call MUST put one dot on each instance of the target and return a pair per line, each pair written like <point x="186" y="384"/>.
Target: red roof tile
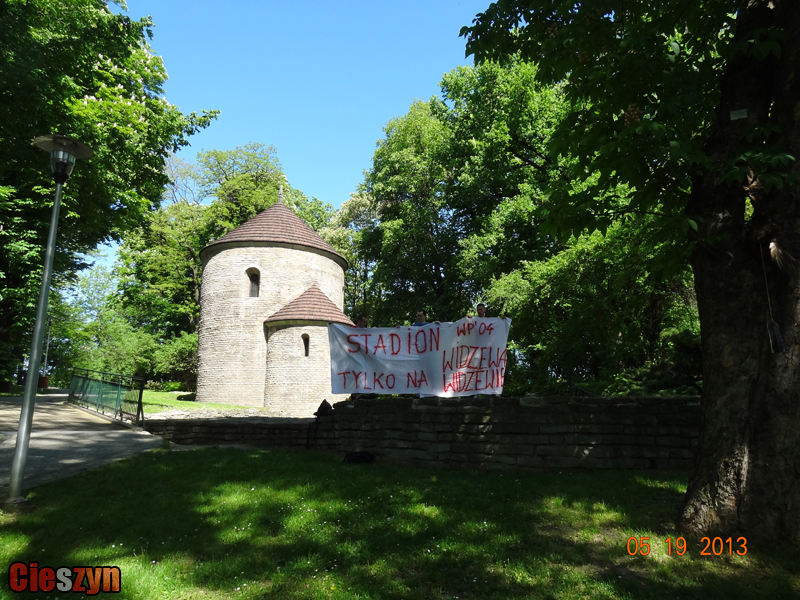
<point x="311" y="305"/>
<point x="278" y="224"/>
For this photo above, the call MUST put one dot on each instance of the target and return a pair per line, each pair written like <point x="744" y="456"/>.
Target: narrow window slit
<point x="255" y="281"/>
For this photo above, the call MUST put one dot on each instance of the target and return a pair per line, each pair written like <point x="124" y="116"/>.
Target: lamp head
<point x="64" y="151"/>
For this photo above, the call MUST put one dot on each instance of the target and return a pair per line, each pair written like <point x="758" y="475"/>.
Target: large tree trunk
<point x="747" y="472"/>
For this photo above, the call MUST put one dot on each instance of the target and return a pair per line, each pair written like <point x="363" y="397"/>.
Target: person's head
<point x="481" y="309"/>
<point x="421" y="315"/>
<point x="361" y="321"/>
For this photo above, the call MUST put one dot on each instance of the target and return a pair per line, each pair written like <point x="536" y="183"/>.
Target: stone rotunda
<point x="270" y="288"/>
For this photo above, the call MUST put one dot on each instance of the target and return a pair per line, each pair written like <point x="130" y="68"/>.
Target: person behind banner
<point x="421" y="316"/>
<point x="481" y="308"/>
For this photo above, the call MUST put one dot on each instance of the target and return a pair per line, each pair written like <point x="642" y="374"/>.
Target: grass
<point x="153" y="402"/>
<point x="247" y="523"/>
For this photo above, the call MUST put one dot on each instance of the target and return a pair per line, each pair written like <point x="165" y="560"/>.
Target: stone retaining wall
<point x="286" y="433"/>
<point x="482" y="433"/>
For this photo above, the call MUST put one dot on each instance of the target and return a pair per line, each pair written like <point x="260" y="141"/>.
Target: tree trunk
<point x="746" y="480"/>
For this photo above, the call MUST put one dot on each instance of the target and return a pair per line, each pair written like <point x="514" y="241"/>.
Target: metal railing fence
<point x="109" y="392"/>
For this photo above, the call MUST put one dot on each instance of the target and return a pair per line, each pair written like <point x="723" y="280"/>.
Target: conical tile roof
<point x="278" y="224"/>
<point x="311" y="305"/>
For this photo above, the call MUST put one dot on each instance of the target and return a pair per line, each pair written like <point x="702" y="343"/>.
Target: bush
<point x="177" y="359"/>
<point x="678" y="374"/>
<point x="172" y="386"/>
<point x="165" y="386"/>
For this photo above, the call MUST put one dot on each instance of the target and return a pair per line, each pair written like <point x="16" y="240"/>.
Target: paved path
<point x="65" y="441"/>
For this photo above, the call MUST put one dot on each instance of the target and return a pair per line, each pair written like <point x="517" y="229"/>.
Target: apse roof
<point x="277" y="224"/>
<point x="311" y="305"/>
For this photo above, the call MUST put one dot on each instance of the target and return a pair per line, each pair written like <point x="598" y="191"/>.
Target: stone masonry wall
<point x="232" y="348"/>
<point x="310" y="376"/>
<point x="256" y="431"/>
<point x="488" y="433"/>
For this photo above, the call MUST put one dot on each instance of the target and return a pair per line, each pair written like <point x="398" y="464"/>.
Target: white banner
<point x="464" y="358"/>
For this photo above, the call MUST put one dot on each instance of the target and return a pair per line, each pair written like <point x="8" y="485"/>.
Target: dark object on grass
<point x="357" y="458"/>
<point x="324" y="409"/>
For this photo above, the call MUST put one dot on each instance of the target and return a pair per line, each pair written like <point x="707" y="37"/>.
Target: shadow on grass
<point x="303" y="525"/>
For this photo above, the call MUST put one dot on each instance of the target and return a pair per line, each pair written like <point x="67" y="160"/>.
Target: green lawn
<point x="221" y="523"/>
<point x="154" y="402"/>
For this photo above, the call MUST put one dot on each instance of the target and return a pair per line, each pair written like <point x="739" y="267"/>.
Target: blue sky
<point x="318" y="80"/>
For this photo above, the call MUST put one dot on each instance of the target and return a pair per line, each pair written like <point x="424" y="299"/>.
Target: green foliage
<point x="678" y="373"/>
<point x="159" y="269"/>
<point x="346" y="233"/>
<point x="457" y="181"/>
<point x="90" y="330"/>
<point x="120" y="348"/>
<point x="415" y="244"/>
<point x="71" y="344"/>
<point x="170" y="386"/>
<point x="642" y="81"/>
<point x="75" y="69"/>
<point x="177" y="358"/>
<point x="500" y="119"/>
<point x="160" y="259"/>
<point x="592" y="310"/>
<point x="462" y="185"/>
<point x="244" y="182"/>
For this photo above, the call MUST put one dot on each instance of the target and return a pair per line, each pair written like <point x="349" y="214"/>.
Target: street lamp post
<point x="64" y="151"/>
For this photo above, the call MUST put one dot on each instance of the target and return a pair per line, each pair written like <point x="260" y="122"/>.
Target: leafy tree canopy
<point x="416" y="242"/>
<point x="159" y="269"/>
<point x="78" y="69"/>
<point x="593" y="311"/>
<point x="455" y="180"/>
<point x="691" y="108"/>
<point x="642" y="81"/>
<point x="89" y="329"/>
<point x="468" y="175"/>
<point x="347" y="231"/>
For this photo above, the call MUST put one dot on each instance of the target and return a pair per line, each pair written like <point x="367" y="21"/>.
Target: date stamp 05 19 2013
<point x="713" y="546"/>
